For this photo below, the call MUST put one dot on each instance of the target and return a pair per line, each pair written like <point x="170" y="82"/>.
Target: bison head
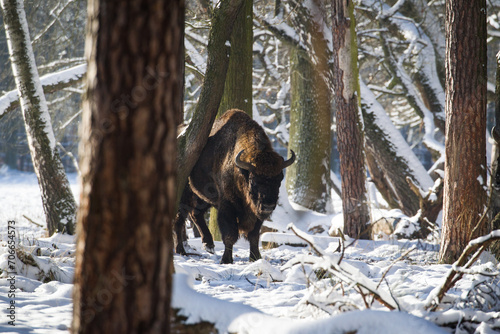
<point x="263" y="177"/>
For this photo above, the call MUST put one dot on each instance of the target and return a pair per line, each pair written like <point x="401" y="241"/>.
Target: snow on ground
<point x="271" y="295"/>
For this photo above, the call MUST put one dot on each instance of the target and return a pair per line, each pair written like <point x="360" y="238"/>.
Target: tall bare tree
<point x="308" y="179"/>
<point x="58" y="201"/>
<point x="238" y="85"/>
<point x="465" y="165"/>
<point x="349" y="123"/>
<point x="134" y="99"/>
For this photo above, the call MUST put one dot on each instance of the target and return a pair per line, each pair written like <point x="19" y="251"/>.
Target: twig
<point x="393" y="263"/>
<point x="350" y="274"/>
<point x="254" y="284"/>
<point x="476" y="247"/>
<point x="304" y="237"/>
<point x="31" y="221"/>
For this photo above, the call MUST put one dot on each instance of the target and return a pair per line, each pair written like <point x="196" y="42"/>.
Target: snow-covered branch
<point x="460" y="267"/>
<point x="51" y="82"/>
<point x="344" y="271"/>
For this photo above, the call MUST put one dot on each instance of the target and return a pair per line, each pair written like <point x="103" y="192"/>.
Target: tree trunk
<point x="58" y="201"/>
<point x="238" y="85"/>
<point x="495" y="160"/>
<point x="310" y="135"/>
<point x="193" y="140"/>
<point x="390" y="159"/>
<point x="349" y="123"/>
<point x="465" y="164"/>
<point x="134" y="98"/>
<point x="308" y="180"/>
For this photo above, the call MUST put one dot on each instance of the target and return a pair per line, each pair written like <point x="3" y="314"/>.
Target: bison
<point x="238" y="173"/>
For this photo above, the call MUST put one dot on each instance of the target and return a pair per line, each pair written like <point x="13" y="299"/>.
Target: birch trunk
<point x="58" y="201"/>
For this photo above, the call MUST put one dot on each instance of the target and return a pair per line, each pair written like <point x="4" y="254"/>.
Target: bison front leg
<point x="253" y="238"/>
<point x="180" y="236"/>
<point x="228" y="226"/>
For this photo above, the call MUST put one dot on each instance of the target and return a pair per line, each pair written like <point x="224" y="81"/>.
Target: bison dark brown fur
<point x="238" y="173"/>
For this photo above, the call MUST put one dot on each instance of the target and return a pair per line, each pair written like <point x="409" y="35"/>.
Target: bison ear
<point x="290" y="161"/>
<point x="243" y="164"/>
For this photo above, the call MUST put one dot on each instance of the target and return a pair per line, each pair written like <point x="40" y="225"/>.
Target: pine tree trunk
<point x="57" y="199"/>
<point x="465" y="164"/>
<point x="128" y="201"/>
<point x="349" y="123"/>
<point x="238" y="85"/>
<point x="308" y="180"/>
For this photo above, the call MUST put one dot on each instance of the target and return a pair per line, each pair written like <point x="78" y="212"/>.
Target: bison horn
<point x="290" y="161"/>
<point x="243" y="164"/>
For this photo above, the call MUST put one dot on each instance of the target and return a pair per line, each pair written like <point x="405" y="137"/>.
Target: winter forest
<point x="355" y="191"/>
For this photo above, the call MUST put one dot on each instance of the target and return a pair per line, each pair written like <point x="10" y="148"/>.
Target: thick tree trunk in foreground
<point x="58" y="201"/>
<point x="238" y="85"/>
<point x="349" y="124"/>
<point x="465" y="164"/>
<point x="134" y="97"/>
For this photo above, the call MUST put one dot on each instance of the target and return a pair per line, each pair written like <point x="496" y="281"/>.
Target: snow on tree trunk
<point x="51" y="83"/>
<point x="465" y="163"/>
<point x="421" y="87"/>
<point x="393" y="158"/>
<point x="124" y="260"/>
<point x="238" y="86"/>
<point x="349" y="122"/>
<point x="58" y="201"/>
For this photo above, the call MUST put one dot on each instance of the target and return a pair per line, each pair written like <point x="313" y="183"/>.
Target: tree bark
<point x="193" y="140"/>
<point x="465" y="164"/>
<point x="134" y="99"/>
<point x="238" y="85"/>
<point x="390" y="159"/>
<point x="57" y="199"/>
<point x="310" y="135"/>
<point x="495" y="159"/>
<point x="349" y="123"/>
<point x="308" y="180"/>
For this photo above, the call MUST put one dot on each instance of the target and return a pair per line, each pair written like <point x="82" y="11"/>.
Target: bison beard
<point x="238" y="173"/>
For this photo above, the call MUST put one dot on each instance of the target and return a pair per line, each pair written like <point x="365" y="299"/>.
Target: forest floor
<point x="279" y="286"/>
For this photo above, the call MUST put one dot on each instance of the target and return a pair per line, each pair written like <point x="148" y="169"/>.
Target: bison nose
<point x="268" y="207"/>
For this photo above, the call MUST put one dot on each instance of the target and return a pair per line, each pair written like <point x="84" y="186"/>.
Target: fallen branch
<point x="31" y="221"/>
<point x="348" y="273"/>
<point x="474" y="248"/>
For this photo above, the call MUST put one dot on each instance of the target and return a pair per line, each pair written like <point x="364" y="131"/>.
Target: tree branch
<point x="474" y="248"/>
<point x="51" y="83"/>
